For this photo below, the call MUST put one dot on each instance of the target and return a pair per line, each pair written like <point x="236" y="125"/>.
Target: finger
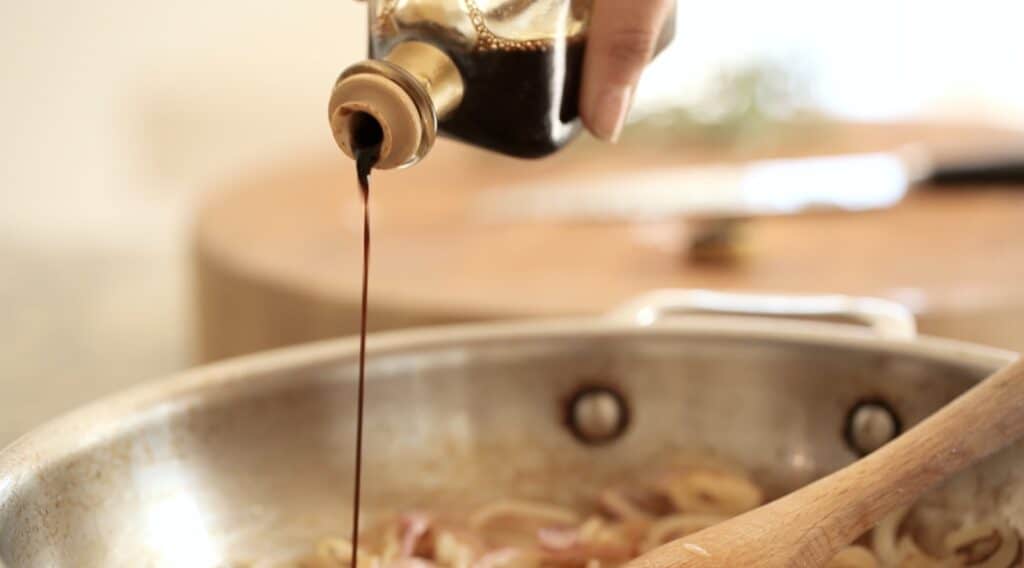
<point x="621" y="42"/>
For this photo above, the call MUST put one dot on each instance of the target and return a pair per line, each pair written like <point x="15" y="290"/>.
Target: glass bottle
<point x="499" y="74"/>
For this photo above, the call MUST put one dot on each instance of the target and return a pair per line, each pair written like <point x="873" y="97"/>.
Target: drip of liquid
<point x="367" y="137"/>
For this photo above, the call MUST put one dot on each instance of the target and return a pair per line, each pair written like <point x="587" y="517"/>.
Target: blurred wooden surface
<point x="277" y="255"/>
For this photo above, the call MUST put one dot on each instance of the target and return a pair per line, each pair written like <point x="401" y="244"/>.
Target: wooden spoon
<point x="807" y="527"/>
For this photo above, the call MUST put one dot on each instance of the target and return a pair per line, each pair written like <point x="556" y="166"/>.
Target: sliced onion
<point x="634" y="502"/>
<point x="676" y="526"/>
<point x="339" y="551"/>
<point x="452" y="552"/>
<point x="542" y="513"/>
<point x="412" y="528"/>
<point x="507" y="558"/>
<point x="711" y="491"/>
<point x="984" y="545"/>
<point x="884" y="537"/>
<point x="911" y="556"/>
<point x="553" y="538"/>
<point x="617" y="504"/>
<point x="409" y="563"/>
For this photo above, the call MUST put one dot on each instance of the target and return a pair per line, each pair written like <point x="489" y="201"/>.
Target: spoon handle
<point x="983" y="420"/>
<point x="807" y="527"/>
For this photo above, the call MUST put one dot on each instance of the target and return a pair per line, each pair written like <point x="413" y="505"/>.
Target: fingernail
<point x="610" y="113"/>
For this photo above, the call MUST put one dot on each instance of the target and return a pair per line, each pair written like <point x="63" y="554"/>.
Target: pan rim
<point x="107" y="417"/>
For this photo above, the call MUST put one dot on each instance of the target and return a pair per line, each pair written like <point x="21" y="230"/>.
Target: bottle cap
<point x="388" y="104"/>
<point x="407" y="93"/>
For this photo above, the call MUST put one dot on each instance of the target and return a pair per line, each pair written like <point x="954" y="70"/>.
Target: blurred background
<point x="121" y="119"/>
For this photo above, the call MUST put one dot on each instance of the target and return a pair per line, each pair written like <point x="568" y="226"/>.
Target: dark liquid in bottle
<point x="367" y="137"/>
<point x="520" y="102"/>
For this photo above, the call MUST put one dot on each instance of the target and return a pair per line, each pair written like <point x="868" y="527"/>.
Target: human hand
<point x="622" y="39"/>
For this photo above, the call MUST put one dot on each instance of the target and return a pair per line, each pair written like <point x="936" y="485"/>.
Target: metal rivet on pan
<point x="597" y="415"/>
<point x="870" y="425"/>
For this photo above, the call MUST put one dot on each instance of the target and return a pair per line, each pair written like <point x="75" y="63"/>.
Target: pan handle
<point x="888" y="319"/>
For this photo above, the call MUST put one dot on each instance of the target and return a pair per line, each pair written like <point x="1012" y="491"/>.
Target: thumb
<point x="620" y="43"/>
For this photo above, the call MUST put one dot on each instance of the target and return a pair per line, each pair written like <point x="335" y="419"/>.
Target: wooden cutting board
<point x="277" y="253"/>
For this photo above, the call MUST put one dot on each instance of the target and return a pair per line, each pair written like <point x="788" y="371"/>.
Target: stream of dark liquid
<point x="366" y="142"/>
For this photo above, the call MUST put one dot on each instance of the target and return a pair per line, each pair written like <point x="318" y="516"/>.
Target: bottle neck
<point x="407" y="93"/>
